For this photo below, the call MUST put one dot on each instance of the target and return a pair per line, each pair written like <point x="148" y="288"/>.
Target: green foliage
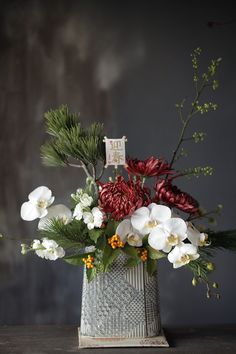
<point x="205" y="107"/>
<point x="110" y="228"/>
<point x="132" y="262"/>
<point x="101" y="242"/>
<point x="109" y="256"/>
<point x="154" y="254"/>
<point x="130" y="251"/>
<point x="70" y="141"/>
<point x="91" y="273"/>
<point x="76" y="259"/>
<point x="198" y="136"/>
<point x="94" y="234"/>
<point x="222" y="240"/>
<point x="198" y="171"/>
<point x="58" y="119"/>
<point x="72" y="235"/>
<point x="151" y="266"/>
<point x="201" y="82"/>
<point x="52" y="155"/>
<point x="199" y="268"/>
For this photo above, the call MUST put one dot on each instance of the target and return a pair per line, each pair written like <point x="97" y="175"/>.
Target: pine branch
<point x="223" y="240"/>
<point x="59" y="118"/>
<point x="72" y="235"/>
<point x="52" y="156"/>
<point x="73" y="142"/>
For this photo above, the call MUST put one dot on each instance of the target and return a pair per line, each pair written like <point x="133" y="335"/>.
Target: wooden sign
<point x="115" y="151"/>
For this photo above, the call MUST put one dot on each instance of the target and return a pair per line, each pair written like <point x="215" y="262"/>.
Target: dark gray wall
<point x="126" y="64"/>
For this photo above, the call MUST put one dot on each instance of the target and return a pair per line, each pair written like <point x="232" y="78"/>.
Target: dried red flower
<point x="121" y="198"/>
<point x="148" y="168"/>
<point x="173" y="196"/>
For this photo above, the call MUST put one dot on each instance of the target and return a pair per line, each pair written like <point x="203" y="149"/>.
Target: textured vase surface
<point x="121" y="303"/>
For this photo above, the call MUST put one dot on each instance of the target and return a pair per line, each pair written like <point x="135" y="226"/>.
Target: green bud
<point x="219" y="207"/>
<point x="215" y="285"/>
<point x="194" y="282"/>
<point x="24" y="248"/>
<point x="210" y="266"/>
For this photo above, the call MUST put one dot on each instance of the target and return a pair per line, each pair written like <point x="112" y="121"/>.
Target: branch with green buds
<point x="201" y="82"/>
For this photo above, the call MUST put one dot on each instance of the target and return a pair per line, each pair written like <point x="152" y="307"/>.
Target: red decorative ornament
<point x="148" y="168"/>
<point x="173" y="196"/>
<point x="121" y="198"/>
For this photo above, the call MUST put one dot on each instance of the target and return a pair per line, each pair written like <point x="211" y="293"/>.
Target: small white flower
<point x="85" y="200"/>
<point x="58" y="211"/>
<point x="48" y="249"/>
<point x="183" y="254"/>
<point x="145" y="219"/>
<point x="39" y="200"/>
<point x="24" y="248"/>
<point x="93" y="218"/>
<point x="128" y="234"/>
<point x="36" y="244"/>
<point x="49" y="244"/>
<point x="168" y="234"/>
<point x="79" y="191"/>
<point x="78" y="212"/>
<point x="196" y="237"/>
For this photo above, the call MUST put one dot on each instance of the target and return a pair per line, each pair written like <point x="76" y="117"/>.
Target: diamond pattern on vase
<point x="135" y="311"/>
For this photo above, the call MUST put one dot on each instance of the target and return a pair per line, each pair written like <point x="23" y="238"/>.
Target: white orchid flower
<point x="145" y="219"/>
<point x="196" y="237"/>
<point x="85" y="200"/>
<point x="128" y="234"/>
<point x="58" y="211"/>
<point x="169" y="234"/>
<point x="48" y="249"/>
<point x="183" y="254"/>
<point x="39" y="200"/>
<point x="78" y="212"/>
<point x="94" y="218"/>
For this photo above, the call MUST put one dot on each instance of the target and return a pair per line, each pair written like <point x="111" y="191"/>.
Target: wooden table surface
<point x="63" y="339"/>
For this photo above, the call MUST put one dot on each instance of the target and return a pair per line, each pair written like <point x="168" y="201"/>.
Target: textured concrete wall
<point x="125" y="65"/>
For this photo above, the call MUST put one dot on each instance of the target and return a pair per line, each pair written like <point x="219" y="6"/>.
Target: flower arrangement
<point x="139" y="211"/>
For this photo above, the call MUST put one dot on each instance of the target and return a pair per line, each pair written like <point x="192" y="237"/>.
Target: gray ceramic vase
<point x="122" y="303"/>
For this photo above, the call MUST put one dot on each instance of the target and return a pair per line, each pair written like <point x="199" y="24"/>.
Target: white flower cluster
<point x="92" y="217"/>
<point x="165" y="233"/>
<point x="48" y="249"/>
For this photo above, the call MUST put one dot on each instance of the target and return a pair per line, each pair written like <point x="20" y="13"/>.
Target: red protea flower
<point x="148" y="168"/>
<point x="173" y="196"/>
<point x="121" y="198"/>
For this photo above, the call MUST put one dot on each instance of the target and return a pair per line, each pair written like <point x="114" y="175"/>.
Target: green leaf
<point x="109" y="255"/>
<point x="111" y="228"/>
<point x="151" y="266"/>
<point x="95" y="234"/>
<point x="132" y="262"/>
<point x="154" y="254"/>
<point x="76" y="259"/>
<point x="145" y="240"/>
<point x="101" y="242"/>
<point x="130" y="251"/>
<point x="91" y="273"/>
